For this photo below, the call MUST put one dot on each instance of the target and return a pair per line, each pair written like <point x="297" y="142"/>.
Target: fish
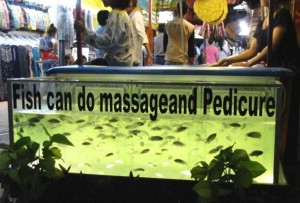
<point x="21" y="130"/>
<point x="181" y="128"/>
<point x="113" y="120"/>
<point x="132" y="126"/>
<point x="156" y="138"/>
<point x="145" y="151"/>
<point x="80" y="121"/>
<point x="31" y="124"/>
<point x="256" y="153"/>
<point x="178" y="143"/>
<point x="156" y="128"/>
<point x="90" y="139"/>
<point x="34" y="120"/>
<point x="66" y="134"/>
<point x="164" y="150"/>
<point x="170" y="137"/>
<point x="254" y="134"/>
<point x="139" y="169"/>
<point x="109" y="154"/>
<point x="54" y="120"/>
<point x="17" y="119"/>
<point x="109" y="137"/>
<point x="62" y="117"/>
<point x="179" y="161"/>
<point x="135" y="132"/>
<point x="235" y="125"/>
<point x="211" y="138"/>
<point x="86" y="143"/>
<point x="139" y="123"/>
<point x="215" y="150"/>
<point x="98" y="127"/>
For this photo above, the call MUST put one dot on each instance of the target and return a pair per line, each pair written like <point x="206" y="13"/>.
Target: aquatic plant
<point x="26" y="170"/>
<point x="230" y="172"/>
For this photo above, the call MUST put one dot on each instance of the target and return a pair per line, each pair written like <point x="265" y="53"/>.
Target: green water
<point x="166" y="148"/>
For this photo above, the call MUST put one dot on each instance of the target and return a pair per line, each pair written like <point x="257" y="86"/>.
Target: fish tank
<point x="156" y="122"/>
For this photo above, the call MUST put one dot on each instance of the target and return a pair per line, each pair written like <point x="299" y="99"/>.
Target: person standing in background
<point x="140" y="37"/>
<point x="116" y="39"/>
<point x="224" y="48"/>
<point x="102" y="17"/>
<point x="158" y="43"/>
<point x="48" y="47"/>
<point x="211" y="52"/>
<point x="176" y="54"/>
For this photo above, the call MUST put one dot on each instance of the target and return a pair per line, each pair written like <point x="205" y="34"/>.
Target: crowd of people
<point x="121" y="40"/>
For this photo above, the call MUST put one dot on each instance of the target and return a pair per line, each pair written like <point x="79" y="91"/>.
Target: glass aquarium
<point x="152" y="127"/>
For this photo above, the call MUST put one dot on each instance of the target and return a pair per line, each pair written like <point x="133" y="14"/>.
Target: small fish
<point x="211" y="138"/>
<point x="34" y="120"/>
<point x="235" y="125"/>
<point x="254" y="134"/>
<point x="66" y="134"/>
<point x="86" y="143"/>
<point x="139" y="170"/>
<point x="109" y="154"/>
<point x="21" y="130"/>
<point x="170" y="137"/>
<point x="109" y="137"/>
<point x="139" y="123"/>
<point x="90" y="139"/>
<point x="181" y="128"/>
<point x="80" y="121"/>
<point x="62" y="117"/>
<point x="135" y="132"/>
<point x="132" y="126"/>
<point x="156" y="138"/>
<point x="31" y="124"/>
<point x="215" y="150"/>
<point x="145" y="151"/>
<point x="164" y="150"/>
<point x="98" y="128"/>
<point x="256" y="153"/>
<point x="113" y="120"/>
<point x="54" y="120"/>
<point x="178" y="143"/>
<point x="179" y="161"/>
<point x="109" y="125"/>
<point x="17" y="119"/>
<point x="156" y="128"/>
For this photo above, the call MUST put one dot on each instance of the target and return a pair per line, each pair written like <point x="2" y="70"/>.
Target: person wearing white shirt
<point x="102" y="17"/>
<point x="116" y="39"/>
<point x="140" y="37"/>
